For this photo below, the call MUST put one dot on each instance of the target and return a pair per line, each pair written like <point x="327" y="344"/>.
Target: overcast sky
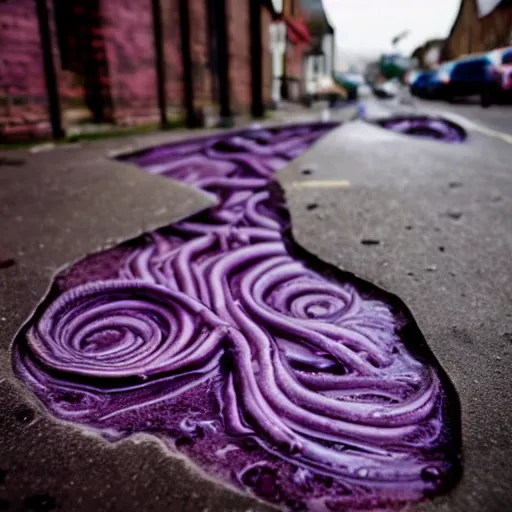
<point x="367" y="26"/>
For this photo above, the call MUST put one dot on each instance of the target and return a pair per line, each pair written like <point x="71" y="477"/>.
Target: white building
<point x="319" y="61"/>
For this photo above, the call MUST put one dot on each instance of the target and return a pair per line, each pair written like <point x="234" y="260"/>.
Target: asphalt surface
<point x="496" y="117"/>
<point x="442" y="216"/>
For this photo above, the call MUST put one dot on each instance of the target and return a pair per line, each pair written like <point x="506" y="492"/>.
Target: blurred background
<point x="69" y="67"/>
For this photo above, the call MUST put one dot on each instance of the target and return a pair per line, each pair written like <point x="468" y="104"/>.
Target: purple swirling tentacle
<point x="216" y="329"/>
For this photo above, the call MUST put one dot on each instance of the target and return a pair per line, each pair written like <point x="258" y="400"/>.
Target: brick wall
<point x="23" y="98"/>
<point x="294" y="64"/>
<point x="127" y="27"/>
<point x="239" y="54"/>
<point x="200" y="53"/>
<point x="106" y="65"/>
<point x="293" y="58"/>
<point x="70" y="81"/>
<point x="172" y="55"/>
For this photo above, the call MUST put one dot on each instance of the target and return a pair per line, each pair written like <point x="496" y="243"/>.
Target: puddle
<point x="425" y="127"/>
<point x="267" y="368"/>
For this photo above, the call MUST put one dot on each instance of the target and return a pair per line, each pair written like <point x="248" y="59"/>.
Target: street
<point x="426" y="221"/>
<point x="244" y="267"/>
<point x="438" y="216"/>
<point x="496" y="117"/>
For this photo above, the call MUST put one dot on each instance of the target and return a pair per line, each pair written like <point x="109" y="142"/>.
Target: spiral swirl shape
<point x="124" y="332"/>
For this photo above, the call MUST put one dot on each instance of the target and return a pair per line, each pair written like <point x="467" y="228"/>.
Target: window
<point x="507" y="57"/>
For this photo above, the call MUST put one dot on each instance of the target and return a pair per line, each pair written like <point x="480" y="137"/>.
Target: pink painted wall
<point x="128" y="37"/>
<point x="239" y="54"/>
<point x="23" y="98"/>
<point x="124" y="70"/>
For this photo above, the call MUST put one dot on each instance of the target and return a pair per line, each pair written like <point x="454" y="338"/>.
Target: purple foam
<point x="265" y="367"/>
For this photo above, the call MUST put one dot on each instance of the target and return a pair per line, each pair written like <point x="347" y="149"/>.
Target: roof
<point x="316" y="15"/>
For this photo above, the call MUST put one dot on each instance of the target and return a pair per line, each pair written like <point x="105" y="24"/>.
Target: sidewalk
<point x="112" y="136"/>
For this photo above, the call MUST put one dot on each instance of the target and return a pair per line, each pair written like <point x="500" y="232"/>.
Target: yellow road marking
<point x="321" y="184"/>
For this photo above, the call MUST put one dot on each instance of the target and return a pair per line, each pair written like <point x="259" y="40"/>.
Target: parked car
<point x="419" y="84"/>
<point x="469" y="76"/>
<point x="387" y="89"/>
<point x="433" y="84"/>
<point x="394" y="66"/>
<point x="437" y="84"/>
<point x="351" y="83"/>
<point x="326" y="89"/>
<point x="500" y="86"/>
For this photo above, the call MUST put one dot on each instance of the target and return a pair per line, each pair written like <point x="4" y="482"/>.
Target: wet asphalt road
<point x="441" y="217"/>
<point x="496" y="117"/>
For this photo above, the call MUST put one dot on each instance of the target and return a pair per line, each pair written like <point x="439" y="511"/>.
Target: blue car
<point x="419" y="86"/>
<point x="469" y="76"/>
<point x="433" y="84"/>
<point x="439" y="82"/>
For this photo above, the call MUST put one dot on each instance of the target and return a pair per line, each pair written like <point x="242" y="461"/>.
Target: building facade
<point x="289" y="38"/>
<point x="69" y="62"/>
<point x="481" y="25"/>
<point x="319" y="60"/>
<point x="428" y="55"/>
